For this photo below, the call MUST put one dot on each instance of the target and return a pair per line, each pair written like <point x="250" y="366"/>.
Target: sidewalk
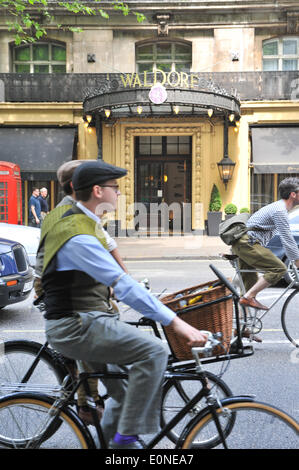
<point x="175" y="247"/>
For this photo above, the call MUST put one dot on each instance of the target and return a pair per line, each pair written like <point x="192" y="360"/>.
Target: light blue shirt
<point x="85" y="253"/>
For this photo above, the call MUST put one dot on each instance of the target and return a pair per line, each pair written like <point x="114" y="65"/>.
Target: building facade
<point x="167" y="99"/>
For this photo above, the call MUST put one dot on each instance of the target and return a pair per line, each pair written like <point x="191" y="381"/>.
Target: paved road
<point x="272" y="373"/>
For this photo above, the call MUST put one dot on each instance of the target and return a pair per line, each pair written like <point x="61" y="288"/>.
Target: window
<point x="166" y="56"/>
<point x="281" y="54"/>
<point x="39" y="58"/>
<point x="264" y="188"/>
<point x="164" y="146"/>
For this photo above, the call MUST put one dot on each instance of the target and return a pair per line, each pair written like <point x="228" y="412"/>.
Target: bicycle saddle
<point x="229" y="256"/>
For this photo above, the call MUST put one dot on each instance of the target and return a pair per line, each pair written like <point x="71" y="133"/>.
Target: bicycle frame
<point x="238" y="274"/>
<point x="175" y="376"/>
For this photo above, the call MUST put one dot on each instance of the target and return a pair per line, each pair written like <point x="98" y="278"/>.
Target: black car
<point x="16" y="276"/>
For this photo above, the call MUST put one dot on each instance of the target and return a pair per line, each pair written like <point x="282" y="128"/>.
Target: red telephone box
<point x="10" y="193"/>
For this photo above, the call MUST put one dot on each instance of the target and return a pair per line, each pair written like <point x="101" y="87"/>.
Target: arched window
<point x="164" y="55"/>
<point x="41" y="57"/>
<point x="281" y="53"/>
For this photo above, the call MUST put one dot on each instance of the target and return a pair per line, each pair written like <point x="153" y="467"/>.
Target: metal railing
<point x="74" y="87"/>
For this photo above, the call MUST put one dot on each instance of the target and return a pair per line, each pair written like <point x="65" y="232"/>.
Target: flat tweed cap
<point x="66" y="170"/>
<point x="97" y="172"/>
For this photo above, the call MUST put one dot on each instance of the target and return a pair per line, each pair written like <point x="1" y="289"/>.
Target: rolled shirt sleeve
<point x="85" y="253"/>
<point x="110" y="241"/>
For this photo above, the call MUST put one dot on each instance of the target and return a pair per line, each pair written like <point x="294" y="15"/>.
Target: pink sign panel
<point x="158" y="94"/>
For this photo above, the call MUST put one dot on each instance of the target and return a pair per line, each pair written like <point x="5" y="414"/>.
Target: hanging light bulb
<point x="236" y="129"/>
<point x="238" y="123"/>
<point x="231" y="117"/>
<point x="90" y="129"/>
<point x="176" y="109"/>
<point x="86" y="124"/>
<point x="210" y="112"/>
<point x="88" y="117"/>
<point x="139" y="109"/>
<point x="107" y="112"/>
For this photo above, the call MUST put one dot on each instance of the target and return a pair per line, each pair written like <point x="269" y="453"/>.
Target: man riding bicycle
<point x="251" y="247"/>
<point x="78" y="271"/>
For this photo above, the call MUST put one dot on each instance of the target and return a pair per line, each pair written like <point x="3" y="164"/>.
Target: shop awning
<point x="37" y="149"/>
<point x="275" y="149"/>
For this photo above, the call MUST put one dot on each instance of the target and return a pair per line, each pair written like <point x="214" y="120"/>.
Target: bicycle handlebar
<point x="294" y="270"/>
<point x="207" y="350"/>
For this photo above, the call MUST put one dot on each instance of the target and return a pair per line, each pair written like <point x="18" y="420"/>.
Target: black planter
<point x="229" y="216"/>
<point x="214" y="219"/>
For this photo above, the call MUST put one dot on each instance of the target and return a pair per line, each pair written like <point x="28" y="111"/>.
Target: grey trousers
<point x="104" y="342"/>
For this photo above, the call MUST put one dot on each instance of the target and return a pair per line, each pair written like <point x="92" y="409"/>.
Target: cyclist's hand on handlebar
<point x="192" y="336"/>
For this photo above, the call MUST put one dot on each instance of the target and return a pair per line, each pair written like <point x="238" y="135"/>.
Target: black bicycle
<point x="34" y="420"/>
<point x="38" y="368"/>
<point x="41" y="367"/>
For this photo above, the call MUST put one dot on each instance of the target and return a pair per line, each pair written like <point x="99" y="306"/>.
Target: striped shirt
<point x="273" y="220"/>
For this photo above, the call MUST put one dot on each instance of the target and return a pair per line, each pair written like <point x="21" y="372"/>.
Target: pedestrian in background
<point x="43" y="199"/>
<point x="34" y="209"/>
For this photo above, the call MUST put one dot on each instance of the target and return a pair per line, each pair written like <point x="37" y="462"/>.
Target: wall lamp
<point x="87" y="119"/>
<point x="226" y="166"/>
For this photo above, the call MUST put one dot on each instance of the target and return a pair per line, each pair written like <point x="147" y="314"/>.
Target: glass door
<point x="163" y="175"/>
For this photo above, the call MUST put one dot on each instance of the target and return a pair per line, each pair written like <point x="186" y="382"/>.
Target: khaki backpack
<point x="234" y="228"/>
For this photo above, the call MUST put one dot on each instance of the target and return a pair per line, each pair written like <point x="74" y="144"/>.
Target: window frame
<point x="31" y="62"/>
<point x="173" y="61"/>
<point x="280" y="56"/>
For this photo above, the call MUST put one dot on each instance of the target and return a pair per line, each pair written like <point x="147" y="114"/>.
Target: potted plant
<point x="230" y="210"/>
<point x="214" y="213"/>
<point x="244" y="209"/>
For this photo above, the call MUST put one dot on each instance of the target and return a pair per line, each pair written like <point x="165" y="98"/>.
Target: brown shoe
<point x="246" y="334"/>
<point x="86" y="416"/>
<point x="252" y="302"/>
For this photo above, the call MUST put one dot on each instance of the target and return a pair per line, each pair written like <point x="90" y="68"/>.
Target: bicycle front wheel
<point x="17" y="358"/>
<point x="257" y="426"/>
<point x="177" y="393"/>
<point x="32" y="421"/>
<point x="290" y="318"/>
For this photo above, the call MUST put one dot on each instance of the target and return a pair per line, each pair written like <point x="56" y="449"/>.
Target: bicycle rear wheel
<point x="177" y="393"/>
<point x="31" y="421"/>
<point x="17" y="357"/>
<point x="290" y="318"/>
<point x="257" y="426"/>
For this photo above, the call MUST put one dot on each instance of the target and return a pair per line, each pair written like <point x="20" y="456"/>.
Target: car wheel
<point x="289" y="277"/>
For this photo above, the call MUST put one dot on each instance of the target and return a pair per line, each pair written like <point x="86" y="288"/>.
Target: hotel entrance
<point x="163" y="175"/>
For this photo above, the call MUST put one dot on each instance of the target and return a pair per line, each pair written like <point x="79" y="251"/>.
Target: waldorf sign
<point x="158" y="92"/>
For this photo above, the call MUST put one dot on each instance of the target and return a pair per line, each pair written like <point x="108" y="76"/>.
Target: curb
<point x="174" y="257"/>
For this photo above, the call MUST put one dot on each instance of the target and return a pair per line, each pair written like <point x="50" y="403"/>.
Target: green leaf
<point x="139" y="16"/>
<point x="17" y="40"/>
<point x="40" y="33"/>
<point x="103" y="13"/>
<point x="74" y="29"/>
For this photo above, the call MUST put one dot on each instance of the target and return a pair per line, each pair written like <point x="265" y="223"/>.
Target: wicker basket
<point x="211" y="309"/>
